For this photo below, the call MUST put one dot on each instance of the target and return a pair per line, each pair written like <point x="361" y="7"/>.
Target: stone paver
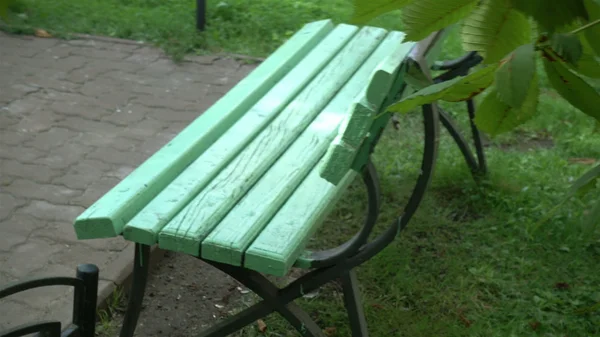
<point x="75" y="118"/>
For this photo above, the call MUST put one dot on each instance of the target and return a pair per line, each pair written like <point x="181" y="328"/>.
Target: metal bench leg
<point x="274" y="300"/>
<point x="356" y="314"/>
<point x="476" y="165"/>
<point x="455" y="68"/>
<point x="477" y="138"/>
<point x="138" y="287"/>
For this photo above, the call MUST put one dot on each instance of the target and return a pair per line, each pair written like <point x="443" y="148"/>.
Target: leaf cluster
<point x="513" y="37"/>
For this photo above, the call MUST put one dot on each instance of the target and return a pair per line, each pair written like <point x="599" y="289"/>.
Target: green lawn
<point x="473" y="261"/>
<point x="252" y="27"/>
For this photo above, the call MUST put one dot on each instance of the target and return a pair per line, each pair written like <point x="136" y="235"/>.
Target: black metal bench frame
<point x="339" y="262"/>
<point x="85" y="284"/>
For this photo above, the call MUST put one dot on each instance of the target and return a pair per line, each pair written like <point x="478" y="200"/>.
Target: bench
<point x="247" y="184"/>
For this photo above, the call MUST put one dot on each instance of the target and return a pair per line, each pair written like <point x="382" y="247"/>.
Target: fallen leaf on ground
<point x="42" y="33"/>
<point x="330" y="331"/>
<point x="262" y="326"/>
<point x="465" y="320"/>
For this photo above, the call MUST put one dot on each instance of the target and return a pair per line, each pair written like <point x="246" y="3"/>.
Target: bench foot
<point x="356" y="314"/>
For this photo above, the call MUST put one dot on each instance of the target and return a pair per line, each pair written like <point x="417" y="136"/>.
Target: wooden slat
<point x="384" y="75"/>
<point x="343" y="151"/>
<point x="144" y="227"/>
<point x="228" y="241"/>
<point x="338" y="160"/>
<point x="185" y="232"/>
<point x="297" y="221"/>
<point x="356" y="125"/>
<point x="280" y="243"/>
<point x="107" y="216"/>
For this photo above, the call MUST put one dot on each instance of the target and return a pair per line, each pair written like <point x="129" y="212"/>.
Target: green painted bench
<point x="246" y="184"/>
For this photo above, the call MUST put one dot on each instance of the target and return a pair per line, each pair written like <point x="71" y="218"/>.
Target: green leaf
<point x="589" y="225"/>
<point x="552" y="14"/>
<point x="365" y="10"/>
<point x="423" y="17"/>
<point x="592" y="34"/>
<point x="494" y="29"/>
<point x="494" y="116"/>
<point x="456" y="90"/>
<point x="4" y="8"/>
<point x="570" y="86"/>
<point x="567" y="46"/>
<point x="515" y="75"/>
<point x="585" y="183"/>
<point x="589" y="64"/>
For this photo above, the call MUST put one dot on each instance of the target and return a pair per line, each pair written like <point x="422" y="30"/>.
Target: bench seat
<point x="243" y="183"/>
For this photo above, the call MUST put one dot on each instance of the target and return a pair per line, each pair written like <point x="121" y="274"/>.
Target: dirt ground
<point x="183" y="296"/>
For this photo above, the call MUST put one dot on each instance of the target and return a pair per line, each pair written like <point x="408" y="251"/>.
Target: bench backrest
<point x="366" y="119"/>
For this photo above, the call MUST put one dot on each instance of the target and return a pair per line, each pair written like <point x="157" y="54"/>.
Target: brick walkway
<point x="75" y="118"/>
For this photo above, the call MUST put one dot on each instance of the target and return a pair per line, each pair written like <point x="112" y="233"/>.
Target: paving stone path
<point x="75" y="118"/>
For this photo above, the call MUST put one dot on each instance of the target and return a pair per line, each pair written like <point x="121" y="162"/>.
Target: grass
<point x="249" y="27"/>
<point x="114" y="305"/>
<point x="475" y="260"/>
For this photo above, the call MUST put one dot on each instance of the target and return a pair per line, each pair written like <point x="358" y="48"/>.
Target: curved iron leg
<point x="477" y="138"/>
<point x="460" y="141"/>
<point x="455" y="68"/>
<point x="477" y="166"/>
<point x="138" y="287"/>
<point x="356" y="314"/>
<point x="331" y="256"/>
<point x="432" y="135"/>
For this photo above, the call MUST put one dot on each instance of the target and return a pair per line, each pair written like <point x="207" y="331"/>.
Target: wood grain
<point x="228" y="241"/>
<point x="347" y="152"/>
<point x="282" y="241"/>
<point x="146" y="225"/>
<point x="107" y="216"/>
<point x="188" y="228"/>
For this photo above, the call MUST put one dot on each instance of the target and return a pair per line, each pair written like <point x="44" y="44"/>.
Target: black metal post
<point x="200" y="14"/>
<point x="84" y="304"/>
